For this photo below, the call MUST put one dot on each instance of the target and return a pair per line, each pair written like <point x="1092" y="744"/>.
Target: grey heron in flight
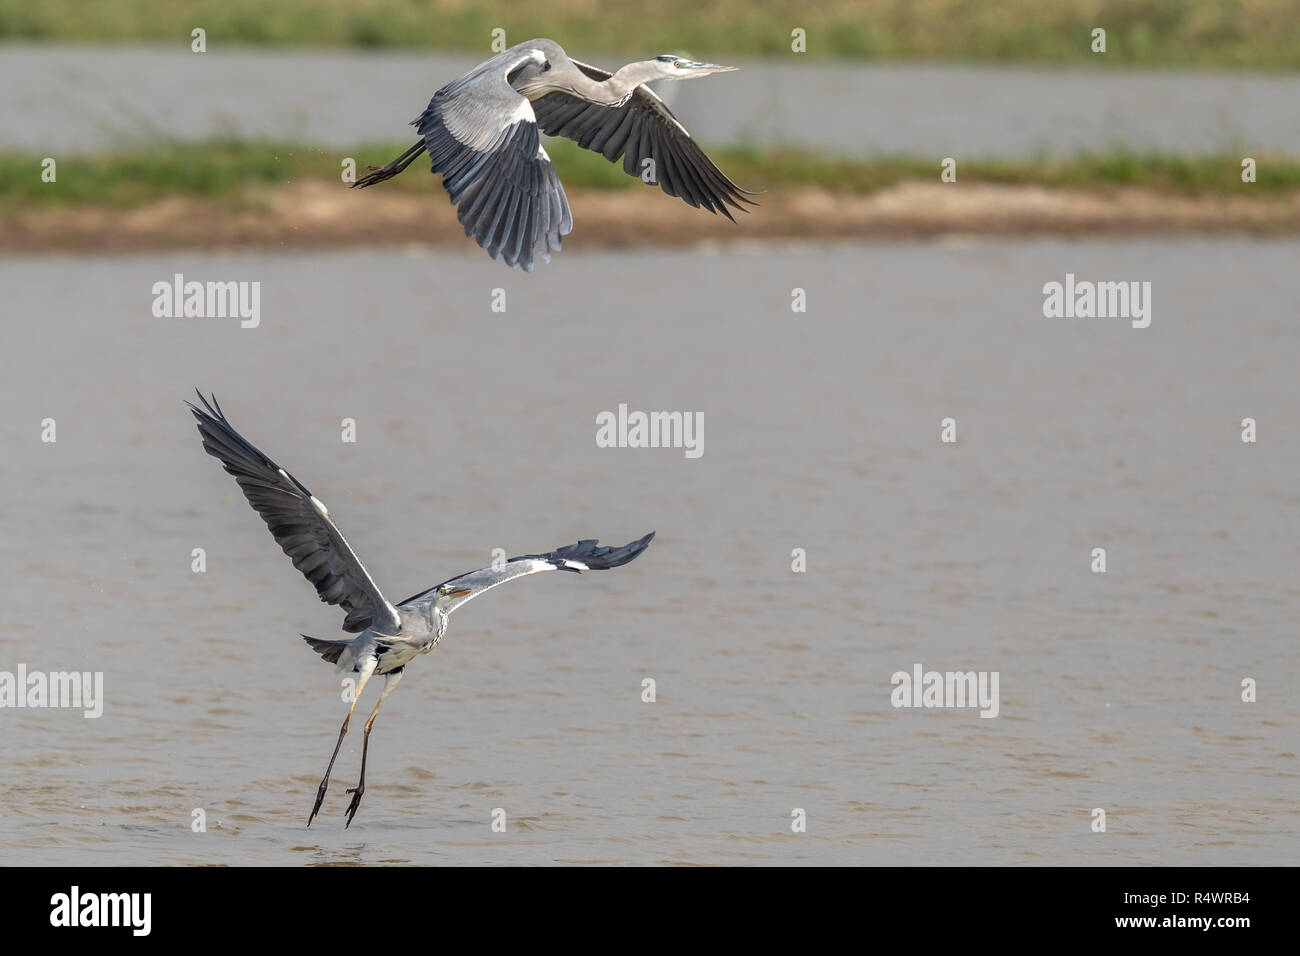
<point x="481" y="133"/>
<point x="389" y="636"/>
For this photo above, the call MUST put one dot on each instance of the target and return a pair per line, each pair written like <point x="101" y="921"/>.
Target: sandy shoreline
<point x="316" y="214"/>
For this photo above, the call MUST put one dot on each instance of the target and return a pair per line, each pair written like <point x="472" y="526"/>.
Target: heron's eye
<point x="677" y="64"/>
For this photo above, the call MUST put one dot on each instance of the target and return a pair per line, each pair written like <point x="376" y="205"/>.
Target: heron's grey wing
<point x="299" y="522"/>
<point x="481" y="135"/>
<point x="586" y="555"/>
<point x="642" y="128"/>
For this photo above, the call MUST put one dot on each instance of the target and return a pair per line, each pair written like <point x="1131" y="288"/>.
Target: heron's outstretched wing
<point x="299" y="522"/>
<point x="586" y="555"/>
<point x="642" y="128"/>
<point x="481" y="135"/>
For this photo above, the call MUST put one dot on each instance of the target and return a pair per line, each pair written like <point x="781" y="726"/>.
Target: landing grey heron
<point x="390" y="636"/>
<point x="481" y="134"/>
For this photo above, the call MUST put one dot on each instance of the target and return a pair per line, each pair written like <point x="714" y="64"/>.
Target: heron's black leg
<point x="359" y="790"/>
<point x="324" y="781"/>
<point x="366" y="670"/>
<point x="390" y="681"/>
<point x="378" y="174"/>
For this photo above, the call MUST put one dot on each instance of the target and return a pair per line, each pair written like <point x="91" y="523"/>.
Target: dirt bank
<point x="317" y="214"/>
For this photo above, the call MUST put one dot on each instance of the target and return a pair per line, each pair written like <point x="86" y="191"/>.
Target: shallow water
<point x="476" y="430"/>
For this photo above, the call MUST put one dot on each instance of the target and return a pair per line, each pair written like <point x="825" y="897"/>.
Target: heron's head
<point x="448" y="593"/>
<point x="670" y="67"/>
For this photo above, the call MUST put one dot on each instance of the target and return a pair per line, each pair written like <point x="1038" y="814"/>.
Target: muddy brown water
<point x="476" y="430"/>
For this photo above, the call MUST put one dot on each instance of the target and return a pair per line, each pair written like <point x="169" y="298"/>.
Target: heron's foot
<point x="357" y="793"/>
<point x="378" y="174"/>
<point x="320" y="798"/>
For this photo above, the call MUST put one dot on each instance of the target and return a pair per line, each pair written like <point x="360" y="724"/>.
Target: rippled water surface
<point x="476" y="430"/>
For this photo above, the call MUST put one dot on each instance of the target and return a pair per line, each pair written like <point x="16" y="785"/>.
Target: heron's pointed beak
<point x="704" y="69"/>
<point x="459" y="592"/>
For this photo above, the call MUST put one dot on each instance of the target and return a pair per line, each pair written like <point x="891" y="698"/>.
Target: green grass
<point x="233" y="171"/>
<point x="1208" y="33"/>
<point x="1186" y="175"/>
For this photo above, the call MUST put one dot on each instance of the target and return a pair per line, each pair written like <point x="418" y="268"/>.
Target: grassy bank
<point x="240" y="195"/>
<point x="1210" y="33"/>
<point x="233" y="172"/>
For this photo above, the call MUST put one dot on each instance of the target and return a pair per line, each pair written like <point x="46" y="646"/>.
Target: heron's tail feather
<point x="378" y="174"/>
<point x="330" y="650"/>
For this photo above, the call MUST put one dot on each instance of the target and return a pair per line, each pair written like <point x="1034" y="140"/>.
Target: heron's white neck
<point x="437" y="618"/>
<point x="615" y="90"/>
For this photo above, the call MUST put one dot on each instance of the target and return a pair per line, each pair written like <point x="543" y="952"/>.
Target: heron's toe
<point x="357" y="793"/>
